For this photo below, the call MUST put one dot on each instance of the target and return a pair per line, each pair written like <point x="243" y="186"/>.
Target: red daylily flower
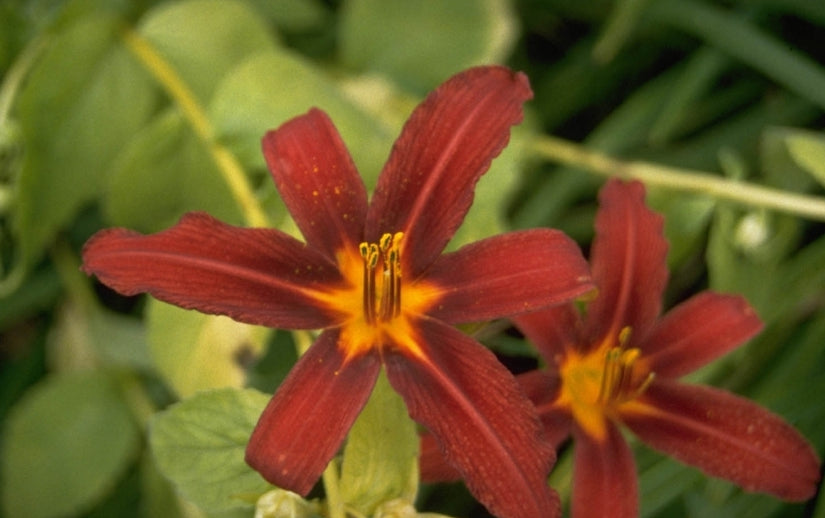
<point x="618" y="365"/>
<point x="372" y="276"/>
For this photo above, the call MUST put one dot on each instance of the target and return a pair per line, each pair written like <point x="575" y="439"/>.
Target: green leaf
<point x="293" y="15"/>
<point x="199" y="444"/>
<point x="203" y="39"/>
<point x="807" y="149"/>
<point x="493" y="193"/>
<point x="165" y="172"/>
<point x="86" y="337"/>
<point x="66" y="443"/>
<point x="73" y="127"/>
<point x="686" y="221"/>
<point x="267" y="89"/>
<point x="407" y="40"/>
<point x="381" y="456"/>
<point x="194" y="351"/>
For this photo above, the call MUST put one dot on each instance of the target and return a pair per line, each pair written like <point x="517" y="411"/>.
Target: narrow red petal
<point x="486" y="427"/>
<point x="543" y="389"/>
<point x="552" y="331"/>
<point x="449" y="141"/>
<point x="697" y="332"/>
<point x="306" y="421"/>
<point x="628" y="261"/>
<point x="258" y="276"/>
<point x="726" y="436"/>
<point x="604" y="477"/>
<point x="508" y="274"/>
<point x="318" y="181"/>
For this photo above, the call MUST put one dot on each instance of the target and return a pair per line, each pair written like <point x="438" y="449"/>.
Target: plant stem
<point x="686" y="180"/>
<point x="192" y="110"/>
<point x="335" y="506"/>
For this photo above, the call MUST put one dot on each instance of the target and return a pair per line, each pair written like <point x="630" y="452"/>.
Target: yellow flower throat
<point x="595" y="385"/>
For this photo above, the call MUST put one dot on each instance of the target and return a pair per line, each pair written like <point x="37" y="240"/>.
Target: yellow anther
<point x="382" y="293"/>
<point x="624" y="335"/>
<point x="385" y="242"/>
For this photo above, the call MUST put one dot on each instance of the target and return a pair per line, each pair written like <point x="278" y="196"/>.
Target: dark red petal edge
<point x="543" y="389"/>
<point x="426" y="187"/>
<point x="486" y="427"/>
<point x="552" y="331"/>
<point x="318" y="181"/>
<point x="309" y="416"/>
<point x="726" y="436"/>
<point x="698" y="331"/>
<point x="604" y="477"/>
<point x="628" y="261"/>
<point x="432" y="463"/>
<point x="258" y="276"/>
<point x="508" y="274"/>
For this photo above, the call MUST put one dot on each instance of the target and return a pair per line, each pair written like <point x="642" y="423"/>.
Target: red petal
<point x="306" y="421"/>
<point x="508" y="274"/>
<point x="258" y="276"/>
<point x="318" y="181"/>
<point x="486" y="427"/>
<point x="628" y="261"/>
<point x="543" y="388"/>
<point x="552" y="331"/>
<point x="432" y="463"/>
<point x="604" y="477"/>
<point x="697" y="332"/>
<point x="427" y="185"/>
<point x="726" y="436"/>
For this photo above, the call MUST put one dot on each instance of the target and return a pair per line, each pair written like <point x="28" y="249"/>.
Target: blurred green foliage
<point x="132" y="113"/>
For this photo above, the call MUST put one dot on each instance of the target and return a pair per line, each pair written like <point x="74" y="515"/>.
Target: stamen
<point x="382" y="293"/>
<point x="618" y="382"/>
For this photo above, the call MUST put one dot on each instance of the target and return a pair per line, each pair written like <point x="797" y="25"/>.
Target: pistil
<point x="382" y="289"/>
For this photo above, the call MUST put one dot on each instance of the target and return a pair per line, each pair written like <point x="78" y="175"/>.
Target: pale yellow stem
<point x="687" y="180"/>
<point x="194" y="113"/>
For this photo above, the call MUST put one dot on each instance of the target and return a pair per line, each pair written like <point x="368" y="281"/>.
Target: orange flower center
<point x="596" y="384"/>
<point x="375" y="314"/>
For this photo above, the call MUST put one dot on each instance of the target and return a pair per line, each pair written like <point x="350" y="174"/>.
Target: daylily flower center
<point x="596" y="384"/>
<point x="382" y="278"/>
<point x="374" y="314"/>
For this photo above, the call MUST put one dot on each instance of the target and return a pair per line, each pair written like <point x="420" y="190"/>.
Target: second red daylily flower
<point x="618" y="364"/>
<point x="373" y="278"/>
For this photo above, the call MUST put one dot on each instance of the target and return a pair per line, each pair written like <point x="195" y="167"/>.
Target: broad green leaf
<point x="194" y="351"/>
<point x="65" y="445"/>
<point x="86" y="338"/>
<point x="165" y="172"/>
<point x="381" y="456"/>
<point x="266" y="90"/>
<point x="293" y="15"/>
<point x="73" y="127"/>
<point x="199" y="445"/>
<point x="203" y="39"/>
<point x="420" y="43"/>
